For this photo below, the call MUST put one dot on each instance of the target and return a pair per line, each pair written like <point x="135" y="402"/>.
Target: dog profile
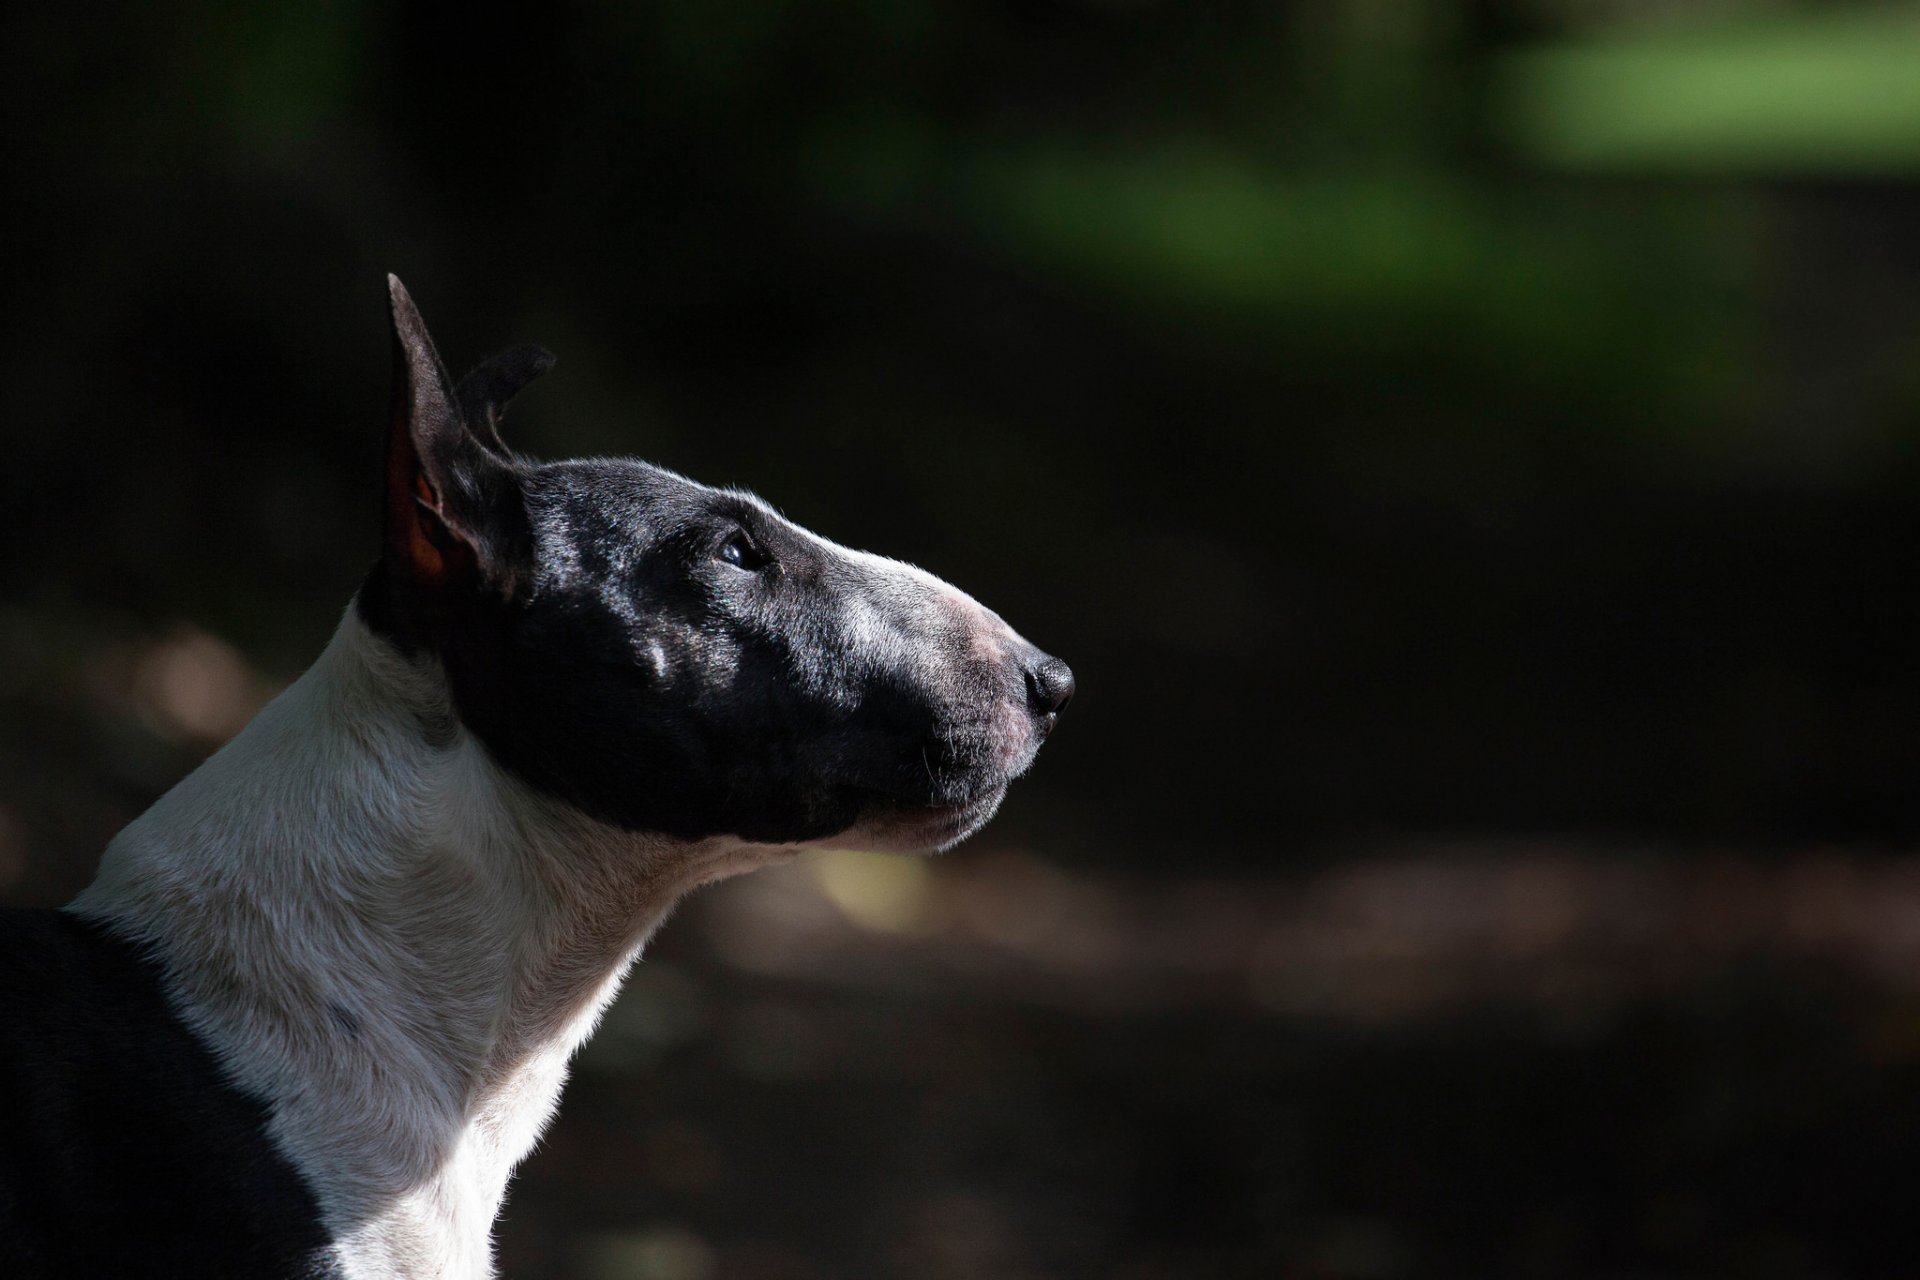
<point x="321" y="997"/>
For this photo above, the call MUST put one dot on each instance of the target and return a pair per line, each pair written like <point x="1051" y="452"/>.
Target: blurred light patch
<point x="1815" y="94"/>
<point x="195" y="687"/>
<point x="663" y="1253"/>
<point x="877" y="891"/>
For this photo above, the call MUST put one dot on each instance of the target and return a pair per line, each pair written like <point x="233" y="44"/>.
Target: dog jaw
<point x="888" y="826"/>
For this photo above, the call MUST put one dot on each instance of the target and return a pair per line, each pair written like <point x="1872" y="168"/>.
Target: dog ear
<point x="483" y="394"/>
<point x="452" y="505"/>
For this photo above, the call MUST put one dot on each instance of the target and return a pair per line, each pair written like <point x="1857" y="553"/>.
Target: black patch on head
<point x="664" y="656"/>
<point x="124" y="1151"/>
<point x="657" y="685"/>
<point x="645" y="678"/>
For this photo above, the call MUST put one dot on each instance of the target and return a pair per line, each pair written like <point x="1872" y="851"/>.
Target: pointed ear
<point x="483" y="394"/>
<point x="452" y="507"/>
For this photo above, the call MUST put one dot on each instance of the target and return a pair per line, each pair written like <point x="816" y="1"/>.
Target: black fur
<point x="128" y="1152"/>
<point x="678" y="659"/>
<point x="646" y="680"/>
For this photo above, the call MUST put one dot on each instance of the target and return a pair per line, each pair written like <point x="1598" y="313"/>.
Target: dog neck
<point x="392" y="942"/>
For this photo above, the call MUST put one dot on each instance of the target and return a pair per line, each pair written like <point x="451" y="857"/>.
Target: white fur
<point x="393" y="942"/>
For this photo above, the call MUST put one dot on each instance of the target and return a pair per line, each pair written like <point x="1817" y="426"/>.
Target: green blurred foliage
<point x="1784" y="92"/>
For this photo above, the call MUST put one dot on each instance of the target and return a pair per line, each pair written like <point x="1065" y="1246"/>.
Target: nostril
<point x="1049" y="686"/>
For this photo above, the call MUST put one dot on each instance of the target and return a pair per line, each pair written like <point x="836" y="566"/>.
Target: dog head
<point x="677" y="659"/>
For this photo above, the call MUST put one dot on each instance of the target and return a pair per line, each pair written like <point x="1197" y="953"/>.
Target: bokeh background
<point x="1466" y="449"/>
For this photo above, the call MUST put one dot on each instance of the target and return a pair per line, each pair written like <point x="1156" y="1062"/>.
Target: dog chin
<point x="900" y="828"/>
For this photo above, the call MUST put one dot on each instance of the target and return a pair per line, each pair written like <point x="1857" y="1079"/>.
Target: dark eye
<point x="740" y="552"/>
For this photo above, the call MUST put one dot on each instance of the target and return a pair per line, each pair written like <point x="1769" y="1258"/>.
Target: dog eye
<point x="740" y="552"/>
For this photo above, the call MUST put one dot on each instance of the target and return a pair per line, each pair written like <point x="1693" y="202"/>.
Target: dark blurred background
<point x="1466" y="450"/>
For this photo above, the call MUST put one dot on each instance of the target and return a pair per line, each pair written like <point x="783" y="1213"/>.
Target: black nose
<point x="1049" y="685"/>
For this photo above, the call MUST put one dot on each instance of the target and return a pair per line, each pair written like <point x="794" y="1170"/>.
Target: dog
<point x="321" y="997"/>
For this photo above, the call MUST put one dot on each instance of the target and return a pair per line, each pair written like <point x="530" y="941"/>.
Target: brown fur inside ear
<point x="417" y="535"/>
<point x="424" y="547"/>
<point x="430" y="549"/>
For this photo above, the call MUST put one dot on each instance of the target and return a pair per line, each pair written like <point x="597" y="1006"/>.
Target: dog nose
<point x="1049" y="686"/>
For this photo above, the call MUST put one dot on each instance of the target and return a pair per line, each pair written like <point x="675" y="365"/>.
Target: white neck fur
<point x="391" y="941"/>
